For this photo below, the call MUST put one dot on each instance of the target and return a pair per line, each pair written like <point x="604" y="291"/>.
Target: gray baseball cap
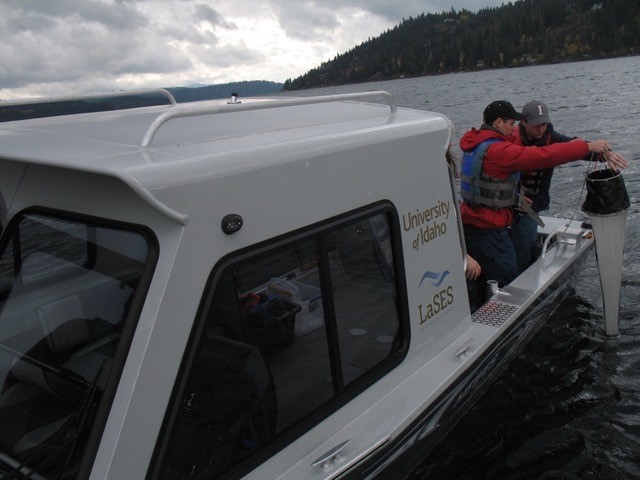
<point x="536" y="113"/>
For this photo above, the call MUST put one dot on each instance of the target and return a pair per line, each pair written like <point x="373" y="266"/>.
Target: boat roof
<point x="157" y="147"/>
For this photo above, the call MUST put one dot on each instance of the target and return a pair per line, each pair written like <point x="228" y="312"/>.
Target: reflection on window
<point x="288" y="331"/>
<point x="364" y="296"/>
<point x="65" y="290"/>
<point x="46" y="246"/>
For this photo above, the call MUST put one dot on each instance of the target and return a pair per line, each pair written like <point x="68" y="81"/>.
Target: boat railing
<point x="195" y="110"/>
<point x="89" y="96"/>
<point x="562" y="234"/>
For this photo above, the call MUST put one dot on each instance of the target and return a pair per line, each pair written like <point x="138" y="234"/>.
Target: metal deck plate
<point x="493" y="313"/>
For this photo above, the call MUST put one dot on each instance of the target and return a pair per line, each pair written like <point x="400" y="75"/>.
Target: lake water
<point x="569" y="406"/>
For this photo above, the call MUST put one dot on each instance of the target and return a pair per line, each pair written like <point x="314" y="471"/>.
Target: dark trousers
<point x="524" y="232"/>
<point x="494" y="251"/>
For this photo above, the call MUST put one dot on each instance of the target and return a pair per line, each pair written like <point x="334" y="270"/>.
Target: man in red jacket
<point x="490" y="172"/>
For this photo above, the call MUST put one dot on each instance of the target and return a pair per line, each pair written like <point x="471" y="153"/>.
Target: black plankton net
<point x="606" y="204"/>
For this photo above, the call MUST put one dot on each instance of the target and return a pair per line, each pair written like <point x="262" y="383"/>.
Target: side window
<point x="51" y="247"/>
<point x="66" y="288"/>
<point x="364" y="297"/>
<point x="47" y="246"/>
<point x="289" y="331"/>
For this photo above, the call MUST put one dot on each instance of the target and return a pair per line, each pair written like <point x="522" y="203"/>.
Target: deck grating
<point x="494" y="313"/>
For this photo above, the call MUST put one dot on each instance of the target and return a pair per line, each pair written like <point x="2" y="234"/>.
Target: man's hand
<point x="617" y="161"/>
<point x="473" y="268"/>
<point x="599" y="146"/>
<point x="523" y="198"/>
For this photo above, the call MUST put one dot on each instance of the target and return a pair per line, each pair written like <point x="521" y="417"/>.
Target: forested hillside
<point x="243" y="89"/>
<point x="517" y="33"/>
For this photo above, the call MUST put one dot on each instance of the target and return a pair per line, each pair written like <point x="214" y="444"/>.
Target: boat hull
<point x="399" y="457"/>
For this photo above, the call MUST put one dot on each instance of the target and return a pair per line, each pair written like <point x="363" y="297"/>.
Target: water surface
<point x="569" y="406"/>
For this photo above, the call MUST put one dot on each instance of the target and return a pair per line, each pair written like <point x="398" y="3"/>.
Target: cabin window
<point x="47" y="248"/>
<point x="288" y="333"/>
<point x="66" y="287"/>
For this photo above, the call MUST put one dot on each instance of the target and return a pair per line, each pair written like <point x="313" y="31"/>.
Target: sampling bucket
<point x="606" y="193"/>
<point x="606" y="204"/>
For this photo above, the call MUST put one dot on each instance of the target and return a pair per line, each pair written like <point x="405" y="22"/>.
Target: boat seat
<point x="63" y="324"/>
<point x="70" y="341"/>
<point x="46" y="390"/>
<point x="228" y="410"/>
<point x="31" y="417"/>
<point x="62" y="330"/>
<point x="68" y="333"/>
<point x="89" y="359"/>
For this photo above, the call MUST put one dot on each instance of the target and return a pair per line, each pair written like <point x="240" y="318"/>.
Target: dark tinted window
<point x="65" y="290"/>
<point x="289" y="331"/>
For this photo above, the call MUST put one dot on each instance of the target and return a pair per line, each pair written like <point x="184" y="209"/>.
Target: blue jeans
<point x="523" y="234"/>
<point x="494" y="251"/>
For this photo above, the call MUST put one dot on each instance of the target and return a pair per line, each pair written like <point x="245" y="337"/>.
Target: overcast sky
<point x="63" y="47"/>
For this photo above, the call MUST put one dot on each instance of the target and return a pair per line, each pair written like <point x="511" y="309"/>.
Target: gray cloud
<point x="97" y="12"/>
<point x="205" y="12"/>
<point x="180" y="34"/>
<point x="317" y="13"/>
<point x="238" y="55"/>
<point x="306" y="20"/>
<point x="67" y="46"/>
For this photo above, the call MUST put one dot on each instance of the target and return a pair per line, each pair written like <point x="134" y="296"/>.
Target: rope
<point x="599" y="159"/>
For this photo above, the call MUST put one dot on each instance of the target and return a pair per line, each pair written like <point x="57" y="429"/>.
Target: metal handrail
<point x="195" y="110"/>
<point x="89" y="96"/>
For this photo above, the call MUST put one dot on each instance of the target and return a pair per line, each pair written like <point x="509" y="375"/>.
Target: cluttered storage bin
<point x="268" y="321"/>
<point x="309" y="298"/>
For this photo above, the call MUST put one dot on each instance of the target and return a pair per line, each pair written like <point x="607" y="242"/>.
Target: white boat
<point x="259" y="289"/>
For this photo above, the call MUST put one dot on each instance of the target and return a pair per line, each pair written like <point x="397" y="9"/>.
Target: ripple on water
<point x="569" y="406"/>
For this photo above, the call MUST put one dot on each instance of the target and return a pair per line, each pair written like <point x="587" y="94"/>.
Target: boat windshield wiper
<point x="70" y="433"/>
<point x="76" y="424"/>
<point x="17" y="470"/>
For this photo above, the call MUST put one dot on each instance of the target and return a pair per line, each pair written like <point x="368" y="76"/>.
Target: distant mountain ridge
<point x="251" y="88"/>
<point x="518" y="33"/>
<point x="181" y="94"/>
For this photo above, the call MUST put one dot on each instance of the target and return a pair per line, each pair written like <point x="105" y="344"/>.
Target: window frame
<point x="317" y="232"/>
<point x="17" y="255"/>
<point x="130" y="323"/>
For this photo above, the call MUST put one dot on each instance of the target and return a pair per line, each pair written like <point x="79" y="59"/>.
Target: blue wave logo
<point x="435" y="277"/>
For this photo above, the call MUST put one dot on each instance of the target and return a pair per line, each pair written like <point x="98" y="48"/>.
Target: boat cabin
<point x="264" y="288"/>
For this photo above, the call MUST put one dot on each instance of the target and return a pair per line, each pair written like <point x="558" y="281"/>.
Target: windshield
<point x="66" y="287"/>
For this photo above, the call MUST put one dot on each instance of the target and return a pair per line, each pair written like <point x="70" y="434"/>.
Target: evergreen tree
<point x="517" y="33"/>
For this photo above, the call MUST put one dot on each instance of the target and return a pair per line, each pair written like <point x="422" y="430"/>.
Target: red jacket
<point x="503" y="158"/>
